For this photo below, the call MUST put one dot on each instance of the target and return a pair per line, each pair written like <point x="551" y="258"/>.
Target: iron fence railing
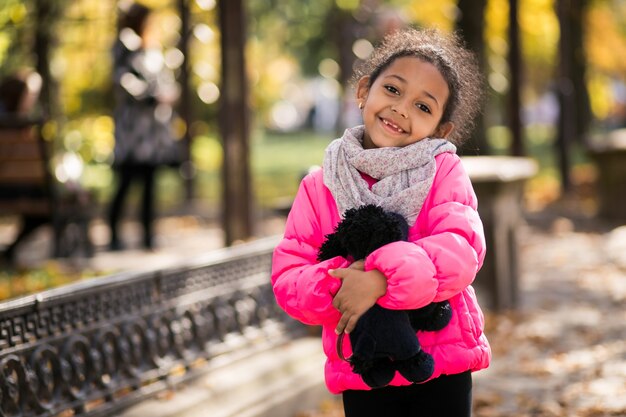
<point x="96" y="347"/>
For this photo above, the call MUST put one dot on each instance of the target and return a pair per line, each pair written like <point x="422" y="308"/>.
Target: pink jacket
<point x="446" y="248"/>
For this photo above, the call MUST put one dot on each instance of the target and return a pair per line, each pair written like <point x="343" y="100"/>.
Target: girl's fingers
<point x="350" y="325"/>
<point x="341" y="326"/>
<point x="337" y="273"/>
<point x="359" y="265"/>
<point x="346" y="324"/>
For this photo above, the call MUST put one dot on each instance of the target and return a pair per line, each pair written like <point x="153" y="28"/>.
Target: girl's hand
<point x="359" y="291"/>
<point x="359" y="265"/>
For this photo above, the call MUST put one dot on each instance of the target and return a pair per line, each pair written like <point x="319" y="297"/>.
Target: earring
<point x="361" y="105"/>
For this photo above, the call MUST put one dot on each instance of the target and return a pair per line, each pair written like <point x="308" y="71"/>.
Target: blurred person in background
<point x="145" y="90"/>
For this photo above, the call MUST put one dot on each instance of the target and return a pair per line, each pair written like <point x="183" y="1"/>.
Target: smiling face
<point x="404" y="104"/>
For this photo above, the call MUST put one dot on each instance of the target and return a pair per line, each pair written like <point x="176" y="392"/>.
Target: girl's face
<point x="404" y="104"/>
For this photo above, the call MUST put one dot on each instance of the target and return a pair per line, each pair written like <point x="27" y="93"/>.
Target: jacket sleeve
<point x="445" y="260"/>
<point x="301" y="284"/>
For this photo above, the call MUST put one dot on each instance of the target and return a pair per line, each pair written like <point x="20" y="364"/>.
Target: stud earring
<point x="361" y="105"/>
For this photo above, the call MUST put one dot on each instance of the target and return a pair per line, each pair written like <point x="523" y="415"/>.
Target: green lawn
<point x="279" y="160"/>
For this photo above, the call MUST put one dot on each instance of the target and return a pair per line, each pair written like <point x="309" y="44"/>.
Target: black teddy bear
<point x="384" y="341"/>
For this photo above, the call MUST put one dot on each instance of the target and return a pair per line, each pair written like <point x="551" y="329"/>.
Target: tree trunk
<point x="184" y="107"/>
<point x="575" y="114"/>
<point x="46" y="16"/>
<point x="470" y="25"/>
<point x="345" y="31"/>
<point x="515" y="68"/>
<point x="234" y="124"/>
<point x="579" y="65"/>
<point x="566" y="129"/>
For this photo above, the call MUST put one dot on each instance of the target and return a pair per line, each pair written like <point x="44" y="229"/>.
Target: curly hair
<point x="458" y="66"/>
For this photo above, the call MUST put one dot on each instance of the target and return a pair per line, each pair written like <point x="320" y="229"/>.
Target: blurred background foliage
<point x="294" y="65"/>
<point x="299" y="56"/>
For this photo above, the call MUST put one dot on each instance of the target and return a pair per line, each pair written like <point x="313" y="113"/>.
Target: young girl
<point x="418" y="93"/>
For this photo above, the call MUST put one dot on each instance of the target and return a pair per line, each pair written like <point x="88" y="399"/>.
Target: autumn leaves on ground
<point x="564" y="352"/>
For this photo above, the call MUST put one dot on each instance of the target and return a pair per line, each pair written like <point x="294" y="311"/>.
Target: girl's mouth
<point x="392" y="126"/>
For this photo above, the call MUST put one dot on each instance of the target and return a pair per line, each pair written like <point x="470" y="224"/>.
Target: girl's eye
<point x="392" y="89"/>
<point x="423" y="107"/>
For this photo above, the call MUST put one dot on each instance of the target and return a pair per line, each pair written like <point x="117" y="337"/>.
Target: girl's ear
<point x="362" y="88"/>
<point x="444" y="130"/>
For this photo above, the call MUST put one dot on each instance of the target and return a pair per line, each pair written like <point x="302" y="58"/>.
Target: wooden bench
<point x="28" y="190"/>
<point x="608" y="152"/>
<point x="499" y="185"/>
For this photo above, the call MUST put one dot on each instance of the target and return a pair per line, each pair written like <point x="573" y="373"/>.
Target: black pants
<point x="446" y="396"/>
<point x="126" y="176"/>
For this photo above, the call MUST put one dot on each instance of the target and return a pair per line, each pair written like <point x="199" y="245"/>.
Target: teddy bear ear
<point x="331" y="247"/>
<point x="349" y="216"/>
<point x="400" y="223"/>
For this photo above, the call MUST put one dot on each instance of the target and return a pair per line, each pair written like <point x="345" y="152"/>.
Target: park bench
<point x="28" y="190"/>
<point x="499" y="185"/>
<point x="608" y="152"/>
<point x="97" y="347"/>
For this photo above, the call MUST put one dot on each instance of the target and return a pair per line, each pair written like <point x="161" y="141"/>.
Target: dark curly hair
<point x="458" y="66"/>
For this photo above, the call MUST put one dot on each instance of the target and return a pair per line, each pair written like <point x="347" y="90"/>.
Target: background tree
<point x="281" y="62"/>
<point x="471" y="23"/>
<point x="47" y="14"/>
<point x="234" y="124"/>
<point x="574" y="116"/>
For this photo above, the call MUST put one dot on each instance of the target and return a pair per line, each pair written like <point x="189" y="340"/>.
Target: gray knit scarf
<point x="404" y="174"/>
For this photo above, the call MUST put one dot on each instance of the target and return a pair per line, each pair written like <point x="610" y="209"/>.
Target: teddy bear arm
<point x="433" y="317"/>
<point x="381" y="332"/>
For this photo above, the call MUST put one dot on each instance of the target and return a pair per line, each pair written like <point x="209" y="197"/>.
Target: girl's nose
<point x="398" y="109"/>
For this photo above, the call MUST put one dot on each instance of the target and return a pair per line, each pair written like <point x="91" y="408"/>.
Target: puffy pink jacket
<point x="446" y="248"/>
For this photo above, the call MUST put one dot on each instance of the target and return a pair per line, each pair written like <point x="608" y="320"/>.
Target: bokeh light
<point x="362" y="48"/>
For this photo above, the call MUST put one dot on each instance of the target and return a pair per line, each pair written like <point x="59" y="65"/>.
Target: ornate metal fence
<point x="93" y="348"/>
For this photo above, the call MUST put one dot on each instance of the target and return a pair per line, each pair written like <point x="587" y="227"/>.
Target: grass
<point x="279" y="160"/>
<point x="52" y="274"/>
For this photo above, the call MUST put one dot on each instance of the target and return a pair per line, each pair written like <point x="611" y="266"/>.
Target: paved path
<point x="178" y="238"/>
<point x="564" y="352"/>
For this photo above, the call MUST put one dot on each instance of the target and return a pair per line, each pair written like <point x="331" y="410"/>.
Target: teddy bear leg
<point x="379" y="374"/>
<point x="363" y="347"/>
<point x="418" y="368"/>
